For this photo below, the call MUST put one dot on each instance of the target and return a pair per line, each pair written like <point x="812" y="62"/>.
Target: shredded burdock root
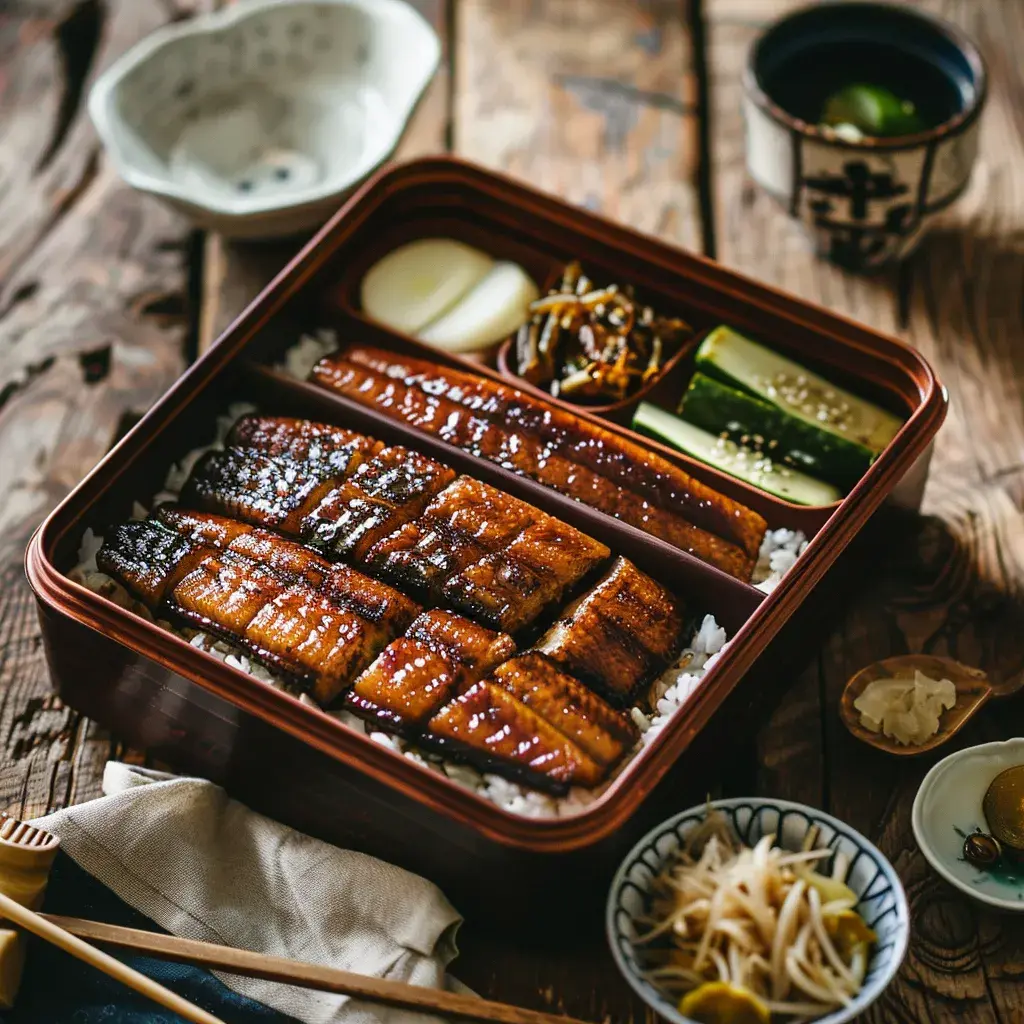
<point x="733" y="927"/>
<point x="594" y="344"/>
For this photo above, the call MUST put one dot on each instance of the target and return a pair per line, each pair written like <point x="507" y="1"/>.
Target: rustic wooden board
<point x="951" y="583"/>
<point x="92" y="330"/>
<point x="593" y="100"/>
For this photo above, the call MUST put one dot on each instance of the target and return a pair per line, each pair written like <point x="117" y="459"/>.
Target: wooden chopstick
<point x="293" y="972"/>
<point x="48" y="929"/>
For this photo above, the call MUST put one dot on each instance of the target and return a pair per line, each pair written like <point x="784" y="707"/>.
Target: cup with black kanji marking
<point x="862" y="119"/>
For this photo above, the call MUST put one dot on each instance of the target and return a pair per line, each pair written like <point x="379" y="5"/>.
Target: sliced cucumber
<point x="740" y="461"/>
<point x="744" y="364"/>
<point x="719" y="408"/>
<point x="873" y="110"/>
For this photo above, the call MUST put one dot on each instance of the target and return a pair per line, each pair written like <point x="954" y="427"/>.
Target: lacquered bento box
<point x="294" y="761"/>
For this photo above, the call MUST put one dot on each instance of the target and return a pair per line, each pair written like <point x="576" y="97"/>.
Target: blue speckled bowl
<point x="883" y="904"/>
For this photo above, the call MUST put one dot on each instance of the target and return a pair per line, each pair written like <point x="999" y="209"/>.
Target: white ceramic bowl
<point x="258" y="119"/>
<point x="948" y="807"/>
<point x="883" y="904"/>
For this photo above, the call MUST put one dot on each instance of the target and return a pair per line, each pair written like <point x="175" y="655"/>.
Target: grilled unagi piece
<point x="587" y="462"/>
<point x="312" y="638"/>
<point x="534" y="680"/>
<point x="405" y="685"/>
<point x="484" y="553"/>
<point x="148" y="559"/>
<point x="224" y="592"/>
<point x="486" y="515"/>
<point x="336" y="452"/>
<point x="327" y="636"/>
<point x="321" y="637"/>
<point x="463" y="523"/>
<point x="488" y="727"/>
<point x="410" y="404"/>
<point x="501" y="592"/>
<point x="275" y="493"/>
<point x="440" y="655"/>
<point x="476" y="647"/>
<point x="421" y="555"/>
<point x="550" y="544"/>
<point x="370" y="599"/>
<point x="387" y="490"/>
<point x="619" y="634"/>
<point x="510" y="587"/>
<point x="283" y="556"/>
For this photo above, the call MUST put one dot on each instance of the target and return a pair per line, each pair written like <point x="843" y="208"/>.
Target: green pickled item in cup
<point x="872" y="110"/>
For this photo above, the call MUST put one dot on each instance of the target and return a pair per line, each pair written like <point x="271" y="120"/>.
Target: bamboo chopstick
<point x="293" y="972"/>
<point x="51" y="931"/>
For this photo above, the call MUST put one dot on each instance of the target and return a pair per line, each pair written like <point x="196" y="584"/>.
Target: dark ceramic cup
<point x="865" y="201"/>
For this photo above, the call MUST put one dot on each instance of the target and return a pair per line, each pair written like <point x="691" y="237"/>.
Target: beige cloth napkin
<point x="203" y="866"/>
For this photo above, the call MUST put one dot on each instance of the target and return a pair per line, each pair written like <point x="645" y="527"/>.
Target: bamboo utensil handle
<point x="293" y="972"/>
<point x="52" y="933"/>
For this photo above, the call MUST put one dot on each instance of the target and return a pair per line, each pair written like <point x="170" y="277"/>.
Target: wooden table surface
<point x="632" y="109"/>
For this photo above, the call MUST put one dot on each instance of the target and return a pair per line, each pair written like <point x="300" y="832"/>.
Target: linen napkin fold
<point x="204" y="866"/>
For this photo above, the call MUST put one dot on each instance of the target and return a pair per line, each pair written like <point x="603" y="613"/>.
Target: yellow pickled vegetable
<point x="718" y="1002"/>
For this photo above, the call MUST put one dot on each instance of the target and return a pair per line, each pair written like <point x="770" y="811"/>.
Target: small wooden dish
<point x="973" y="691"/>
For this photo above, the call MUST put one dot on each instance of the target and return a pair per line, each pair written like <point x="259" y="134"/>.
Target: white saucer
<point x="947" y="808"/>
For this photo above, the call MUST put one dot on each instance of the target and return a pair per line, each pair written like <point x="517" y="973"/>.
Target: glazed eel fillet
<point x="531" y="721"/>
<point x="338" y="490"/>
<point x="580" y="459"/>
<point x="455" y="687"/>
<point x="440" y="655"/>
<point x="496" y="559"/>
<point x="618" y="635"/>
<point x="317" y="624"/>
<point x="453" y="542"/>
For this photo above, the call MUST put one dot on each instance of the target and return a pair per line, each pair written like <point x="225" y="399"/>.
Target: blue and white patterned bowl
<point x="883" y="904"/>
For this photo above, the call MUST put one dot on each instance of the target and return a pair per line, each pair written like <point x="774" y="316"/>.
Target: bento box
<point x="286" y="755"/>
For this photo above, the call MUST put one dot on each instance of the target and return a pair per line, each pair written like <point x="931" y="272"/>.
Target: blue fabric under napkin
<point x="58" y="989"/>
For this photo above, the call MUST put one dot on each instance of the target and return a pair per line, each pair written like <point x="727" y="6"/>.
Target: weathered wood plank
<point x="953" y="583"/>
<point x="235" y="272"/>
<point x="590" y="99"/>
<point x="92" y="324"/>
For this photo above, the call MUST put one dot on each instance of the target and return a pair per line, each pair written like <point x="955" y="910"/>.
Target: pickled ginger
<point x="906" y="710"/>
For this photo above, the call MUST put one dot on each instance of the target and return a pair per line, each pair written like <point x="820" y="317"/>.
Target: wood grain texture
<point x="952" y="582"/>
<point x="235" y="272"/>
<point x="92" y="324"/>
<point x="592" y="100"/>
